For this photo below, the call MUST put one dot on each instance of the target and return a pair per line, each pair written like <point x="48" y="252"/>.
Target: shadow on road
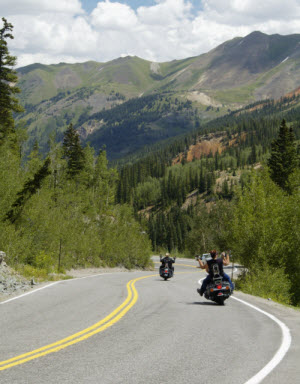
<point x="203" y="303"/>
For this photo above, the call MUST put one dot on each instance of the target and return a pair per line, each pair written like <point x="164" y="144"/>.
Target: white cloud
<point x="24" y="7"/>
<point x="113" y="16"/>
<point x="53" y="35"/>
<point x="218" y="32"/>
<point x="251" y="11"/>
<point x="59" y="30"/>
<point x="166" y="12"/>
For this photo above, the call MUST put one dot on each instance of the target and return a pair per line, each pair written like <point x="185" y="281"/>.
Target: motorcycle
<point x="166" y="272"/>
<point x="218" y="290"/>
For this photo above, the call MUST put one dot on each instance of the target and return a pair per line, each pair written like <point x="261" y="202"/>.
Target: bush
<point x="267" y="282"/>
<point x="44" y="261"/>
<point x="29" y="272"/>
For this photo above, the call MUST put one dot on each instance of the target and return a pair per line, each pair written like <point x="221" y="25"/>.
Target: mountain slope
<point x="236" y="73"/>
<point x="237" y="63"/>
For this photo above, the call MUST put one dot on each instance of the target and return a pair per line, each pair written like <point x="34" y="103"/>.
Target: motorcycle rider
<point x="208" y="266"/>
<point x="167" y="260"/>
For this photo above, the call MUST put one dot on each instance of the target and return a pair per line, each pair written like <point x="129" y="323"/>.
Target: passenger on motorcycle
<point x="167" y="260"/>
<point x="208" y="266"/>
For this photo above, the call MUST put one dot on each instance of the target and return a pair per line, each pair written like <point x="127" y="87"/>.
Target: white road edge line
<point x="281" y="352"/>
<point x="51" y="284"/>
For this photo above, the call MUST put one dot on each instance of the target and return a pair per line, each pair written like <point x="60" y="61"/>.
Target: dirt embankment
<point x="211" y="143"/>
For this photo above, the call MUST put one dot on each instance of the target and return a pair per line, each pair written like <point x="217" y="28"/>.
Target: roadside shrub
<point x="44" y="261"/>
<point x="29" y="272"/>
<point x="266" y="281"/>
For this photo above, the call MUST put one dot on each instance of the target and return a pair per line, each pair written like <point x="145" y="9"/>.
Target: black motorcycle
<point x="165" y="271"/>
<point x="218" y="290"/>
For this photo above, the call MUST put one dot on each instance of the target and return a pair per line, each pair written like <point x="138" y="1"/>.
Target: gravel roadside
<point x="11" y="283"/>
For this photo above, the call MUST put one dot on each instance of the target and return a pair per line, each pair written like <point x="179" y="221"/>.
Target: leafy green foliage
<point x="11" y="177"/>
<point x="74" y="222"/>
<point x="56" y="222"/>
<point x="30" y="188"/>
<point x="264" y="230"/>
<point x="254" y="228"/>
<point x="210" y="229"/>
<point x="266" y="281"/>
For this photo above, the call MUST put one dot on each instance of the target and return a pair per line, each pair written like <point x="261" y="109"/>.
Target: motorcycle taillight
<point x="219" y="286"/>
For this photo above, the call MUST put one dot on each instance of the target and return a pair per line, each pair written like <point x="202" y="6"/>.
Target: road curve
<point x="136" y="328"/>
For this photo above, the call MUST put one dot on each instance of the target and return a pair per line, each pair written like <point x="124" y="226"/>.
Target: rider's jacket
<point x="167" y="260"/>
<point x="210" y="264"/>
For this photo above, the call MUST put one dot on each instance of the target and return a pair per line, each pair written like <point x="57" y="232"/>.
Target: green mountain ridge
<point x="234" y="74"/>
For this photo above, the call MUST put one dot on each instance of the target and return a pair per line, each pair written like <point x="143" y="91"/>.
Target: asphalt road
<point x="103" y="330"/>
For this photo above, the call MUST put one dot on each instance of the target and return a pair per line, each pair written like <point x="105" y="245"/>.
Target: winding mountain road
<point x="136" y="328"/>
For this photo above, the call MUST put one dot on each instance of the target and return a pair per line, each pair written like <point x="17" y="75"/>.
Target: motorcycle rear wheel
<point x="220" y="300"/>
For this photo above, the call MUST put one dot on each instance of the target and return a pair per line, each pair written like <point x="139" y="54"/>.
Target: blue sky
<point x="89" y="5"/>
<point x="53" y="31"/>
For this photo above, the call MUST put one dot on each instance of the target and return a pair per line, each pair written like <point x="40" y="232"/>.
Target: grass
<point x="40" y="274"/>
<point x="262" y="281"/>
<point x="238" y="288"/>
<point x="240" y="95"/>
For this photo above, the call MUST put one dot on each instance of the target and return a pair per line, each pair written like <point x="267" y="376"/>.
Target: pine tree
<point x="283" y="160"/>
<point x="253" y="155"/>
<point x="164" y="193"/>
<point x="8" y="77"/>
<point x="73" y="151"/>
<point x="225" y="188"/>
<point x="202" y="182"/>
<point x="217" y="160"/>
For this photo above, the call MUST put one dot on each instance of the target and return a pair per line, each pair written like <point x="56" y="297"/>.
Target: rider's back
<point x="212" y="267"/>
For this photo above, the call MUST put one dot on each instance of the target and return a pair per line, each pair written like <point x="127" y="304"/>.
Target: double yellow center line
<point x="102" y="325"/>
